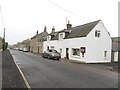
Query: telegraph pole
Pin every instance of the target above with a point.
(3, 40)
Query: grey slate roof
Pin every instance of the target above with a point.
(78, 31)
(41, 36)
(83, 30)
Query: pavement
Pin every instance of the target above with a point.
(113, 66)
(0, 70)
(11, 77)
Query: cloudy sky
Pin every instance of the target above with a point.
(22, 18)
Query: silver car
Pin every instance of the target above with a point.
(25, 50)
(51, 54)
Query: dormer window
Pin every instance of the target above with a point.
(61, 36)
(48, 38)
(97, 33)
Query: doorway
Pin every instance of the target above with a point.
(67, 54)
(38, 49)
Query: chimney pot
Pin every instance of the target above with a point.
(45, 29)
(69, 26)
(53, 29)
(37, 32)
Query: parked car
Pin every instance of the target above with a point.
(25, 50)
(51, 54)
(16, 48)
(20, 49)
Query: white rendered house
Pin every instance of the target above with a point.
(89, 43)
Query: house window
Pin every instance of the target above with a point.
(76, 52)
(48, 38)
(60, 51)
(60, 36)
(97, 33)
(52, 47)
(105, 54)
(47, 47)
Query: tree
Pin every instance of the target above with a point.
(3, 44)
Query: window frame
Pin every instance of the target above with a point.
(77, 51)
(97, 33)
(105, 54)
(60, 36)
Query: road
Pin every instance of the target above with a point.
(44, 73)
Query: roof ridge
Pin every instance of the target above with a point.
(87, 23)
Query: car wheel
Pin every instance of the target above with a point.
(42, 56)
(48, 57)
(58, 58)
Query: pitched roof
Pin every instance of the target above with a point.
(39, 35)
(27, 41)
(82, 30)
(78, 31)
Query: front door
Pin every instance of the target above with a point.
(67, 54)
(38, 49)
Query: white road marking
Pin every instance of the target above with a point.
(23, 76)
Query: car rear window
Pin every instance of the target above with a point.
(50, 50)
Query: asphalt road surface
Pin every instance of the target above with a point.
(45, 73)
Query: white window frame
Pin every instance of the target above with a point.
(52, 47)
(61, 36)
(48, 38)
(77, 53)
(97, 33)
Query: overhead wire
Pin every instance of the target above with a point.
(2, 23)
(1, 16)
(67, 10)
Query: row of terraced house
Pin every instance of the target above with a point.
(89, 43)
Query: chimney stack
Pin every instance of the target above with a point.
(69, 26)
(37, 32)
(53, 29)
(45, 29)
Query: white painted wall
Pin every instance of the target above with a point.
(95, 47)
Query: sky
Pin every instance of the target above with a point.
(22, 18)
